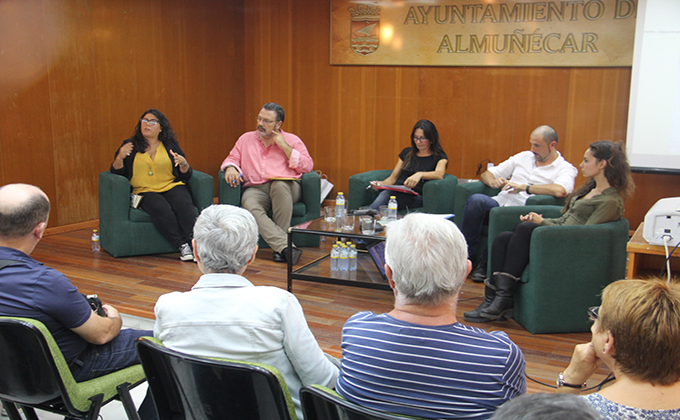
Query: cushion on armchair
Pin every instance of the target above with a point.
(308, 208)
(126, 231)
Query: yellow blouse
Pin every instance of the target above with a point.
(153, 175)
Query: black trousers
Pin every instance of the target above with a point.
(510, 250)
(173, 213)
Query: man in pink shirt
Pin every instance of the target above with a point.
(269, 163)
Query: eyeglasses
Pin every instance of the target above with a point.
(262, 120)
(419, 139)
(593, 312)
(150, 122)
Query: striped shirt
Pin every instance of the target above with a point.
(448, 371)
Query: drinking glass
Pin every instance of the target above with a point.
(348, 225)
(329, 214)
(384, 213)
(367, 226)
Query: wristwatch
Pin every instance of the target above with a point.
(561, 383)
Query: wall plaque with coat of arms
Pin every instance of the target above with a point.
(569, 33)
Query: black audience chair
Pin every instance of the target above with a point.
(321, 403)
(34, 374)
(186, 387)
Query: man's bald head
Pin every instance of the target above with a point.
(22, 208)
(547, 132)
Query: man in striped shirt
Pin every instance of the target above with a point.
(418, 360)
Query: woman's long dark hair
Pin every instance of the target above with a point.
(166, 135)
(617, 170)
(431, 133)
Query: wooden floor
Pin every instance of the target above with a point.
(133, 285)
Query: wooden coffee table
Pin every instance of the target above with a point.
(367, 274)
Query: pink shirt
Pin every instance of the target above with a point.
(258, 164)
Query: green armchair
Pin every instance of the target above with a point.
(465, 189)
(308, 208)
(438, 194)
(568, 268)
(126, 231)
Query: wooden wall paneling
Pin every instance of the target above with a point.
(73, 109)
(598, 108)
(541, 98)
(117, 51)
(109, 61)
(176, 63)
(489, 128)
(280, 65)
(151, 57)
(26, 153)
(395, 109)
(268, 61)
(178, 57)
(312, 80)
(186, 38)
(252, 62)
(221, 100)
(205, 61)
(650, 188)
(352, 123)
(442, 101)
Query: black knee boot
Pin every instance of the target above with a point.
(476, 314)
(501, 307)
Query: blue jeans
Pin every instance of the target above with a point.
(475, 216)
(404, 201)
(117, 354)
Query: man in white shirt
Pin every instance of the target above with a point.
(540, 170)
(225, 316)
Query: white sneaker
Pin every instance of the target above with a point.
(185, 253)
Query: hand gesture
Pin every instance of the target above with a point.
(584, 362)
(498, 183)
(232, 176)
(514, 187)
(110, 311)
(413, 180)
(278, 138)
(375, 185)
(532, 217)
(125, 151)
(179, 159)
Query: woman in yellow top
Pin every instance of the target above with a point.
(158, 170)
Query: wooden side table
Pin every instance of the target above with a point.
(644, 258)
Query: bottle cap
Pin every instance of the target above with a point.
(391, 197)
